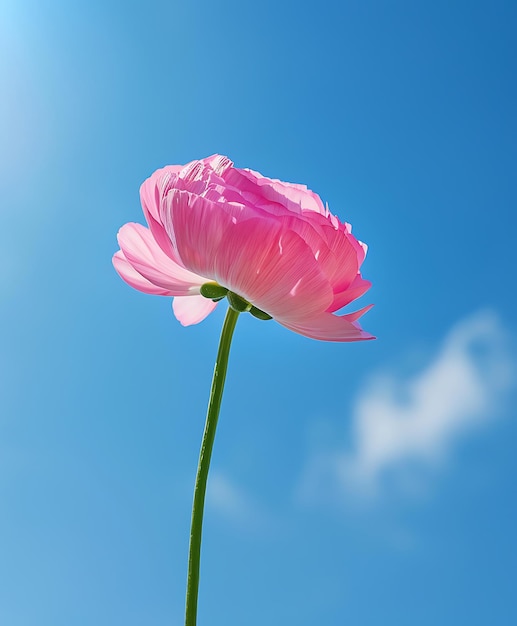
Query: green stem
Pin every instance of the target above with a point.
(196, 526)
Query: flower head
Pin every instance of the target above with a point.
(214, 229)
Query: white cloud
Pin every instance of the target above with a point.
(399, 420)
(232, 503)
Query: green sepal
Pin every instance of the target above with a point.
(261, 315)
(237, 303)
(213, 291)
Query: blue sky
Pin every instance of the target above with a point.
(352, 484)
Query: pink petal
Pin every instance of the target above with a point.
(196, 227)
(328, 327)
(342, 264)
(296, 198)
(331, 246)
(154, 188)
(210, 179)
(352, 317)
(152, 192)
(358, 287)
(201, 170)
(218, 163)
(360, 248)
(258, 258)
(133, 278)
(148, 259)
(192, 309)
(273, 268)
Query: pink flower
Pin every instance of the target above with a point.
(273, 244)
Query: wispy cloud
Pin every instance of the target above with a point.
(234, 504)
(398, 420)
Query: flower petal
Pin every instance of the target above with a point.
(342, 264)
(358, 287)
(152, 192)
(128, 273)
(196, 227)
(192, 309)
(331, 246)
(148, 259)
(295, 198)
(258, 258)
(328, 327)
(355, 315)
(273, 268)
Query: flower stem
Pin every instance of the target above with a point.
(214, 404)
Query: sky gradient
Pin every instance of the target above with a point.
(369, 483)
